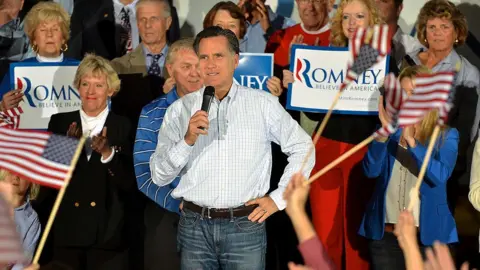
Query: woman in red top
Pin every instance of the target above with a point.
(339, 197)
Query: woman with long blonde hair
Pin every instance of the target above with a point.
(338, 198)
(394, 162)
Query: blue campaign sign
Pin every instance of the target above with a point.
(254, 69)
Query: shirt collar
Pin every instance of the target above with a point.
(43, 59)
(451, 59)
(172, 96)
(232, 92)
(23, 206)
(146, 51)
(12, 25)
(131, 5)
(325, 28)
(87, 118)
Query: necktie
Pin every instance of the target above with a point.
(126, 36)
(154, 68)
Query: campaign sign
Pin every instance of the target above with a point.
(254, 69)
(318, 73)
(48, 89)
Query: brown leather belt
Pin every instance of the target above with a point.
(390, 228)
(220, 212)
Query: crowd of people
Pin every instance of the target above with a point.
(163, 184)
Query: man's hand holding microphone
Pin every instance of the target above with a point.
(199, 122)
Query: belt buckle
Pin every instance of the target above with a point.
(208, 213)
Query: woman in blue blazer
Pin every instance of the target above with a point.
(395, 162)
(47, 26)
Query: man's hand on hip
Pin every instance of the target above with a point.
(266, 207)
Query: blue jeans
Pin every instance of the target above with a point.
(225, 244)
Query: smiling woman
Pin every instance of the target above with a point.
(91, 222)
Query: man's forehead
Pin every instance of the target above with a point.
(213, 43)
(149, 9)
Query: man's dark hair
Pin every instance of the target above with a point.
(398, 3)
(216, 31)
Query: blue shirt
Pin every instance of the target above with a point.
(149, 58)
(149, 123)
(254, 40)
(29, 229)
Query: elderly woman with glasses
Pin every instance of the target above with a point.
(89, 229)
(47, 26)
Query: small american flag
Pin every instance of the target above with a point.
(368, 47)
(394, 97)
(40, 157)
(10, 118)
(432, 91)
(11, 251)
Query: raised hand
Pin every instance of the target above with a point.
(287, 78)
(74, 131)
(11, 99)
(100, 144)
(274, 86)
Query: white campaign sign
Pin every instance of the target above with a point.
(48, 90)
(318, 73)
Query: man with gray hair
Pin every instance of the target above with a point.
(162, 212)
(153, 21)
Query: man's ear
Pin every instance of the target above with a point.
(169, 69)
(236, 59)
(169, 22)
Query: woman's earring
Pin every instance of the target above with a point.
(64, 47)
(456, 41)
(35, 48)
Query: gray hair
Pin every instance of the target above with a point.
(181, 44)
(167, 10)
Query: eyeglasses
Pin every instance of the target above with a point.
(311, 1)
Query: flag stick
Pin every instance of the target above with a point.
(51, 218)
(416, 189)
(339, 160)
(320, 129)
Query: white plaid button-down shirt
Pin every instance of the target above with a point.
(232, 164)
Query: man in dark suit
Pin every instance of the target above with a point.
(145, 64)
(99, 26)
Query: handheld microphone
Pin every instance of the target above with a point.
(208, 95)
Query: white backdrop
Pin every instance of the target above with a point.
(192, 12)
